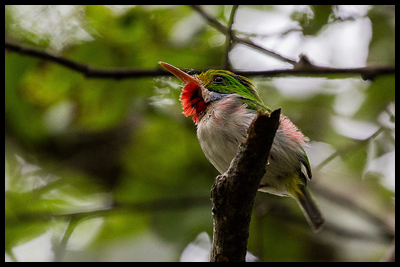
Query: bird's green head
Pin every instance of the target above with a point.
(212, 85)
(226, 82)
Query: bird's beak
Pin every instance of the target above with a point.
(184, 77)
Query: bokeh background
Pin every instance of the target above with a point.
(103, 169)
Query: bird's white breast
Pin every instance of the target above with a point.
(224, 127)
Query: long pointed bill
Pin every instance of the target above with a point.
(184, 77)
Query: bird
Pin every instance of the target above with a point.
(223, 105)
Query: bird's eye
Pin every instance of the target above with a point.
(218, 79)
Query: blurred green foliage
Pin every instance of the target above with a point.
(95, 163)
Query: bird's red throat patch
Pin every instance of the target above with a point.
(192, 101)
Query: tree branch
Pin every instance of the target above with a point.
(85, 69)
(234, 191)
(367, 73)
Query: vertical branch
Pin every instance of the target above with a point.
(234, 191)
(229, 37)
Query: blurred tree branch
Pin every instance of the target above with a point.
(345, 150)
(234, 191)
(300, 68)
(156, 205)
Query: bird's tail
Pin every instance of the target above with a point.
(310, 209)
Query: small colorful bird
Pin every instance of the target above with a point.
(223, 106)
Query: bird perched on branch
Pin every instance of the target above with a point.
(223, 105)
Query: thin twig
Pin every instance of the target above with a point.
(269, 52)
(59, 250)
